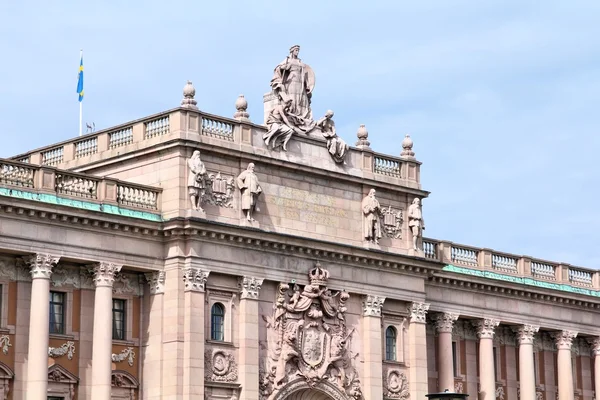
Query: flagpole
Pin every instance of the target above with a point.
(81, 105)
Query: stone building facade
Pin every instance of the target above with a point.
(115, 285)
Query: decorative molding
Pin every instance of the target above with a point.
(67, 348)
(564, 339)
(126, 284)
(395, 385)
(444, 322)
(125, 354)
(485, 327)
(156, 281)
(372, 305)
(418, 312)
(195, 279)
(122, 379)
(525, 333)
(58, 374)
(104, 273)
(5, 343)
(220, 366)
(41, 265)
(249, 287)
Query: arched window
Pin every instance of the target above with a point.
(217, 322)
(390, 343)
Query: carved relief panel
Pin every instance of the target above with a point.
(395, 384)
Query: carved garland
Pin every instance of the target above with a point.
(125, 354)
(67, 348)
(5, 343)
(220, 366)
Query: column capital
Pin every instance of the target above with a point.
(40, 265)
(372, 305)
(418, 312)
(595, 344)
(249, 287)
(195, 279)
(486, 327)
(103, 273)
(444, 322)
(525, 333)
(156, 280)
(564, 339)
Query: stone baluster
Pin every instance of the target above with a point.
(372, 352)
(564, 341)
(417, 356)
(487, 374)
(248, 333)
(40, 266)
(444, 322)
(193, 332)
(103, 276)
(525, 334)
(595, 343)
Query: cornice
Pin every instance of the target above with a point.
(509, 289)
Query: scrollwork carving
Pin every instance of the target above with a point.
(67, 349)
(220, 366)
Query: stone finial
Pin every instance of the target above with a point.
(362, 134)
(372, 305)
(407, 151)
(241, 105)
(444, 322)
(188, 96)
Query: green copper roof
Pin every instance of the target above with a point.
(521, 280)
(81, 204)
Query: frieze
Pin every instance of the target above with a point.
(220, 366)
(67, 348)
(395, 385)
(391, 222)
(65, 276)
(307, 337)
(5, 343)
(219, 190)
(125, 354)
(126, 284)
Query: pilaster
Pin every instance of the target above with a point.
(372, 354)
(248, 333)
(193, 332)
(417, 355)
(103, 277)
(152, 345)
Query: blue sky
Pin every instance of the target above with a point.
(500, 97)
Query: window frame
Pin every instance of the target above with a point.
(124, 312)
(64, 304)
(226, 299)
(391, 354)
(213, 316)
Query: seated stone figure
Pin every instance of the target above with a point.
(335, 145)
(283, 123)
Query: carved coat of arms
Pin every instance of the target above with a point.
(308, 339)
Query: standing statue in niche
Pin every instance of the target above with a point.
(248, 184)
(196, 181)
(335, 145)
(372, 210)
(415, 221)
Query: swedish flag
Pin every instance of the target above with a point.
(80, 81)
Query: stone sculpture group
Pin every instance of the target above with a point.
(292, 85)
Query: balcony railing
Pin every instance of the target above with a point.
(509, 264)
(34, 178)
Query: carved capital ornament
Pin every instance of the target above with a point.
(564, 339)
(250, 287)
(195, 279)
(104, 273)
(372, 305)
(418, 312)
(526, 333)
(40, 265)
(156, 280)
(486, 327)
(595, 345)
(444, 322)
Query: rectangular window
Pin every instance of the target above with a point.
(496, 369)
(57, 313)
(535, 368)
(455, 359)
(55, 398)
(118, 318)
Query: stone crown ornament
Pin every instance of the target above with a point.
(318, 276)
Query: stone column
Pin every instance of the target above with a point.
(443, 325)
(487, 374)
(525, 335)
(248, 333)
(193, 332)
(40, 266)
(104, 276)
(152, 339)
(595, 343)
(563, 341)
(417, 355)
(372, 343)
